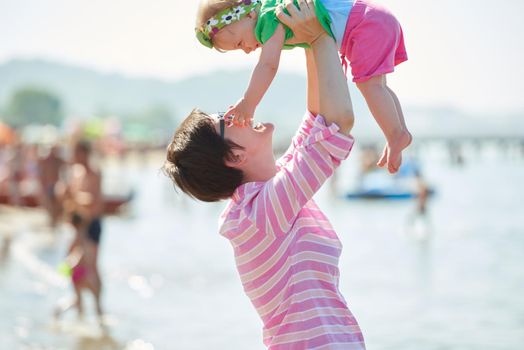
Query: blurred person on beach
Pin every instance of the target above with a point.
(421, 209)
(367, 35)
(286, 251)
(4, 170)
(419, 221)
(83, 192)
(78, 264)
(50, 168)
(15, 172)
(5, 174)
(368, 163)
(368, 159)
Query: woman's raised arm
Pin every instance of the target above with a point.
(313, 103)
(334, 100)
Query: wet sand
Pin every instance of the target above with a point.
(28, 250)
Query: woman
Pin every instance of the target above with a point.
(285, 249)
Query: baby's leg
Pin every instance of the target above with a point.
(399, 108)
(384, 106)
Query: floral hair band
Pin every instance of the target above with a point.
(223, 18)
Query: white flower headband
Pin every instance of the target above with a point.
(225, 17)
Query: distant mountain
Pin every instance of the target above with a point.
(85, 92)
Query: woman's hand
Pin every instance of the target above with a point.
(334, 102)
(302, 21)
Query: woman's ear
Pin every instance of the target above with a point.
(236, 159)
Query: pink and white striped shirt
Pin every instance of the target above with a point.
(287, 252)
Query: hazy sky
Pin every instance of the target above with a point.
(467, 54)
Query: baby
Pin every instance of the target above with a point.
(367, 35)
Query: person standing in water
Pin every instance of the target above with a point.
(50, 168)
(84, 195)
(286, 251)
(78, 265)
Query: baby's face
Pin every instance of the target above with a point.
(238, 36)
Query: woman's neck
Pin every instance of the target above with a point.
(260, 170)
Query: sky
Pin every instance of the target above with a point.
(466, 54)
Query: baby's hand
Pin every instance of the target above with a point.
(241, 113)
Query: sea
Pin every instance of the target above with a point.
(452, 279)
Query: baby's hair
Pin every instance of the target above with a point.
(209, 8)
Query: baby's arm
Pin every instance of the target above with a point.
(261, 79)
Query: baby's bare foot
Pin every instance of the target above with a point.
(392, 154)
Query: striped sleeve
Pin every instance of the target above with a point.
(303, 131)
(311, 162)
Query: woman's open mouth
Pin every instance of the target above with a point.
(258, 126)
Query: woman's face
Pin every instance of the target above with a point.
(256, 139)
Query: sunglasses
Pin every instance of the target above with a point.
(223, 121)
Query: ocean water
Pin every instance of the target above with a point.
(455, 281)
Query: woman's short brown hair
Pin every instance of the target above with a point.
(196, 160)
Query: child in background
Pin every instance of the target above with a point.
(77, 264)
(367, 35)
